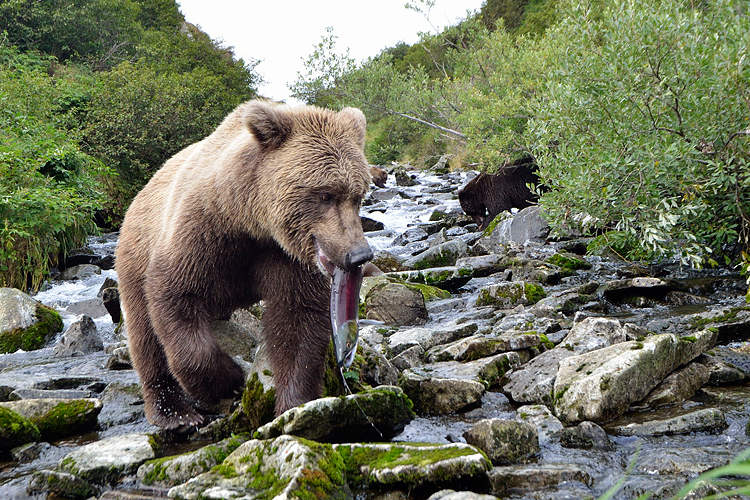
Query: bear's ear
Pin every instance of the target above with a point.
(357, 121)
(268, 122)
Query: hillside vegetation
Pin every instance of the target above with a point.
(637, 113)
(96, 94)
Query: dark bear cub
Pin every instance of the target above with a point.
(257, 210)
(485, 196)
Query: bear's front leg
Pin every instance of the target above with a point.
(195, 358)
(296, 332)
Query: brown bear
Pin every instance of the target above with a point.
(486, 195)
(266, 207)
(379, 176)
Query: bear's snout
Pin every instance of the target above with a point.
(358, 256)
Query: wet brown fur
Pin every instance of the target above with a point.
(485, 196)
(228, 221)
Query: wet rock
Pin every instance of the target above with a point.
(679, 385)
(79, 272)
(15, 429)
(709, 420)
(105, 461)
(412, 464)
(536, 477)
(460, 495)
(174, 470)
(46, 394)
(25, 323)
(568, 261)
(508, 295)
(542, 418)
(482, 346)
(446, 278)
(90, 307)
(621, 290)
(585, 435)
(123, 404)
(527, 224)
(450, 385)
(111, 300)
(410, 236)
(534, 382)
(369, 225)
(525, 322)
(600, 385)
(376, 370)
(484, 265)
(234, 339)
(120, 359)
(287, 467)
(79, 339)
(395, 304)
(594, 333)
(57, 418)
(376, 414)
(427, 338)
(726, 365)
(438, 256)
(61, 483)
(504, 441)
(732, 323)
(408, 357)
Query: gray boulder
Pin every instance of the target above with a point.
(442, 255)
(504, 441)
(426, 338)
(24, 322)
(594, 333)
(527, 224)
(79, 339)
(600, 385)
(679, 385)
(376, 414)
(534, 382)
(538, 477)
(509, 295)
(709, 420)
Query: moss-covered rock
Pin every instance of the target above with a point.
(510, 294)
(285, 467)
(568, 261)
(106, 461)
(441, 255)
(174, 470)
(411, 464)
(15, 430)
(376, 414)
(62, 484)
(58, 418)
(25, 323)
(504, 441)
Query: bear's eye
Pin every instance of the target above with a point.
(326, 197)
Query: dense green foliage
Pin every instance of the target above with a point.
(96, 94)
(636, 112)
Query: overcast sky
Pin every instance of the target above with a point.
(283, 33)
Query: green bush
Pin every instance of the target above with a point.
(48, 187)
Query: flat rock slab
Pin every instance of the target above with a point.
(451, 385)
(594, 333)
(377, 414)
(519, 478)
(107, 460)
(709, 420)
(482, 346)
(446, 278)
(412, 464)
(429, 337)
(285, 467)
(534, 382)
(504, 441)
(601, 384)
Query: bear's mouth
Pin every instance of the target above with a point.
(344, 309)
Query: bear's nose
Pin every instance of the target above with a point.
(358, 256)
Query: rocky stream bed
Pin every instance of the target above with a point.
(508, 365)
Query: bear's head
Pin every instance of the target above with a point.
(471, 198)
(314, 170)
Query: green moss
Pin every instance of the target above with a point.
(689, 338)
(637, 346)
(225, 470)
(546, 342)
(257, 403)
(491, 228)
(15, 430)
(429, 292)
(48, 323)
(66, 418)
(438, 215)
(534, 293)
(727, 317)
(568, 261)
